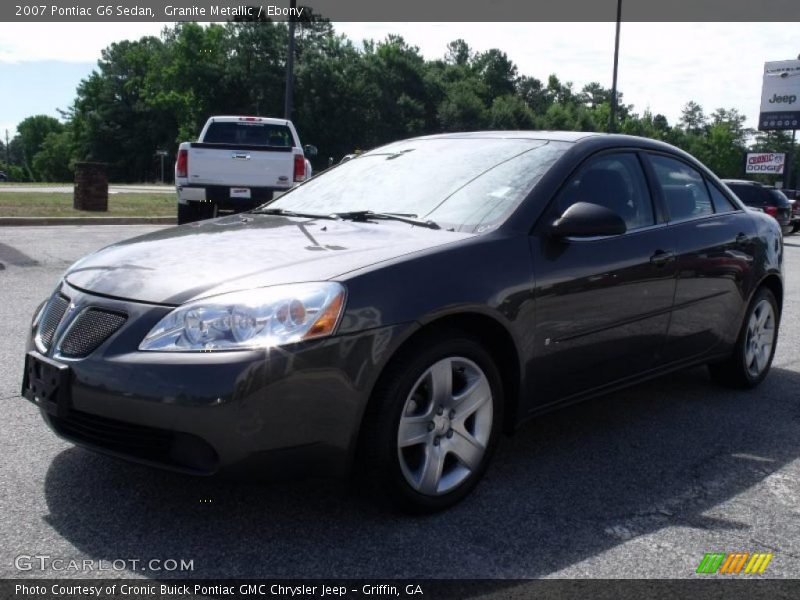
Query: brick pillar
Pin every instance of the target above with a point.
(91, 187)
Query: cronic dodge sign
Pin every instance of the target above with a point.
(780, 96)
(765, 162)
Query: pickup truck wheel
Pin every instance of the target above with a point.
(188, 213)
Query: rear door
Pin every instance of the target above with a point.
(602, 304)
(243, 153)
(715, 246)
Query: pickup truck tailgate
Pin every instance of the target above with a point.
(246, 166)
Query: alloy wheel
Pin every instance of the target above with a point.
(445, 426)
(760, 338)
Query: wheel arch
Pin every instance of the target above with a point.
(774, 283)
(492, 334)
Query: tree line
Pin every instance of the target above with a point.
(150, 94)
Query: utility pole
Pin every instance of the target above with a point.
(612, 125)
(789, 164)
(287, 106)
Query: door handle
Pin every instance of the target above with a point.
(742, 239)
(662, 257)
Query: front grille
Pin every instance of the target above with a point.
(53, 313)
(177, 450)
(90, 329)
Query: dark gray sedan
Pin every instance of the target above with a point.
(392, 316)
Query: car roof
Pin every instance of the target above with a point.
(744, 182)
(247, 118)
(559, 136)
(596, 139)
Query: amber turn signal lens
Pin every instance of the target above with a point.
(326, 322)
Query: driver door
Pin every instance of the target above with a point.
(602, 303)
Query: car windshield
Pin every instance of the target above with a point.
(462, 184)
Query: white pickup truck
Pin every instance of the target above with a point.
(237, 164)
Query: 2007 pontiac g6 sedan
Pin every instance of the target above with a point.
(394, 315)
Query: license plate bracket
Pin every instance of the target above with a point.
(47, 383)
(238, 192)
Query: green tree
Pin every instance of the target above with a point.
(462, 109)
(55, 160)
(31, 133)
(510, 112)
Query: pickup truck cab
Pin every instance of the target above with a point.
(238, 163)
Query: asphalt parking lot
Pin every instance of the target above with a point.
(638, 484)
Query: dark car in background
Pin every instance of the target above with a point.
(765, 198)
(3, 176)
(395, 314)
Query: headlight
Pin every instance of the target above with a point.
(258, 318)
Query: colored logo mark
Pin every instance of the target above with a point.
(734, 563)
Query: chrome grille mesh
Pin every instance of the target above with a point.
(53, 313)
(91, 328)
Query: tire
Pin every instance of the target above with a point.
(448, 443)
(752, 356)
(796, 226)
(188, 213)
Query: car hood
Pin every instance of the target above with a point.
(174, 265)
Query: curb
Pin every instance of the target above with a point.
(46, 221)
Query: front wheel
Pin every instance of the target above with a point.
(752, 357)
(432, 424)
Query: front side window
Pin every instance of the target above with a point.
(683, 188)
(615, 181)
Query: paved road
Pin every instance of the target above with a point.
(638, 484)
(68, 189)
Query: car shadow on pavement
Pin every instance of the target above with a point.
(565, 488)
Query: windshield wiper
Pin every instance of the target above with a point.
(366, 215)
(266, 210)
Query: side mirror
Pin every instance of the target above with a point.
(584, 219)
(310, 150)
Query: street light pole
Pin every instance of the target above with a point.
(287, 106)
(613, 114)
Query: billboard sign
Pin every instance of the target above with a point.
(765, 162)
(780, 96)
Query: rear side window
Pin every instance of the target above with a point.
(720, 200)
(749, 194)
(248, 134)
(683, 188)
(778, 198)
(615, 181)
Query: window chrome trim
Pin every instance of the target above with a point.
(630, 232)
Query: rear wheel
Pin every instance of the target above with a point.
(432, 424)
(187, 213)
(752, 357)
(795, 227)
(196, 211)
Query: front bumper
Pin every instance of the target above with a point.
(279, 412)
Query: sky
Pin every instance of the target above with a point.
(661, 67)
